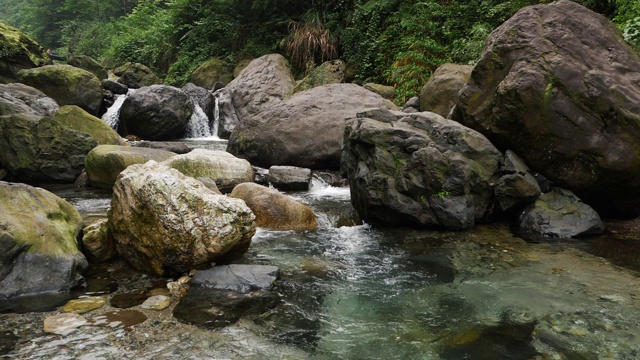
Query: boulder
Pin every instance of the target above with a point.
(557, 84)
(90, 64)
(167, 223)
(67, 85)
(38, 249)
(289, 178)
(517, 185)
(236, 277)
(386, 91)
(227, 116)
(210, 72)
(274, 210)
(76, 118)
(173, 146)
(418, 169)
(241, 65)
(156, 112)
(136, 75)
(19, 52)
(559, 213)
(412, 105)
(97, 243)
(114, 86)
(35, 150)
(224, 169)
(267, 80)
(202, 97)
(305, 130)
(329, 72)
(16, 98)
(440, 93)
(104, 163)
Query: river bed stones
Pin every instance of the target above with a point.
(63, 324)
(289, 178)
(84, 305)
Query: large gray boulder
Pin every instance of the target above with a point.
(105, 162)
(156, 112)
(16, 98)
(305, 130)
(224, 169)
(516, 185)
(166, 223)
(418, 169)
(289, 178)
(440, 93)
(558, 85)
(559, 213)
(38, 249)
(227, 115)
(67, 85)
(42, 150)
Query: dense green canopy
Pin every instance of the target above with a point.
(395, 42)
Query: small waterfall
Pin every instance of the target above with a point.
(112, 116)
(216, 117)
(198, 126)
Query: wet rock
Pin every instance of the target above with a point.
(165, 222)
(98, 244)
(129, 299)
(118, 319)
(203, 97)
(135, 75)
(274, 210)
(224, 169)
(18, 98)
(67, 85)
(114, 86)
(239, 278)
(105, 162)
(63, 324)
(559, 213)
(156, 112)
(84, 305)
(440, 93)
(8, 341)
(34, 303)
(289, 178)
(157, 302)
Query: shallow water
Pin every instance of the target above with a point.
(358, 292)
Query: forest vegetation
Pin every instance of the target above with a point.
(394, 42)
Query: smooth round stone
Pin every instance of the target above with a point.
(157, 302)
(83, 305)
(63, 324)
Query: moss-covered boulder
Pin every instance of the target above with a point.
(38, 249)
(76, 118)
(210, 72)
(224, 169)
(275, 210)
(135, 75)
(17, 52)
(42, 150)
(386, 91)
(16, 98)
(329, 72)
(167, 223)
(104, 163)
(90, 64)
(67, 85)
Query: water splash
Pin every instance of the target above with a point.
(112, 116)
(216, 118)
(198, 125)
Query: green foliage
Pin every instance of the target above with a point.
(628, 19)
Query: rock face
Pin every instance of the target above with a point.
(35, 150)
(558, 85)
(305, 130)
(228, 118)
(329, 72)
(19, 52)
(156, 112)
(202, 97)
(90, 64)
(224, 169)
(38, 250)
(274, 210)
(418, 169)
(75, 118)
(104, 163)
(18, 98)
(67, 85)
(211, 72)
(289, 177)
(559, 213)
(440, 93)
(166, 223)
(114, 86)
(135, 75)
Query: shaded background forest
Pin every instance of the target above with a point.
(394, 42)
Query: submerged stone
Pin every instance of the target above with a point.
(157, 302)
(83, 305)
(118, 319)
(239, 278)
(130, 299)
(63, 324)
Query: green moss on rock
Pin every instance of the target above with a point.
(76, 118)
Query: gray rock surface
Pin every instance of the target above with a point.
(440, 93)
(135, 75)
(238, 278)
(289, 178)
(16, 98)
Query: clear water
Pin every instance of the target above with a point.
(358, 292)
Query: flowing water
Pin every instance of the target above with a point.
(352, 291)
(112, 115)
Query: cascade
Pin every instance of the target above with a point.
(198, 126)
(112, 116)
(216, 117)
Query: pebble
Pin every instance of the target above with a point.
(615, 298)
(63, 324)
(83, 305)
(157, 302)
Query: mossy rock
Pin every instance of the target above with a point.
(135, 75)
(17, 52)
(210, 72)
(387, 92)
(330, 72)
(105, 162)
(67, 85)
(90, 64)
(75, 118)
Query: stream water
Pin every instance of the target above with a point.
(352, 291)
